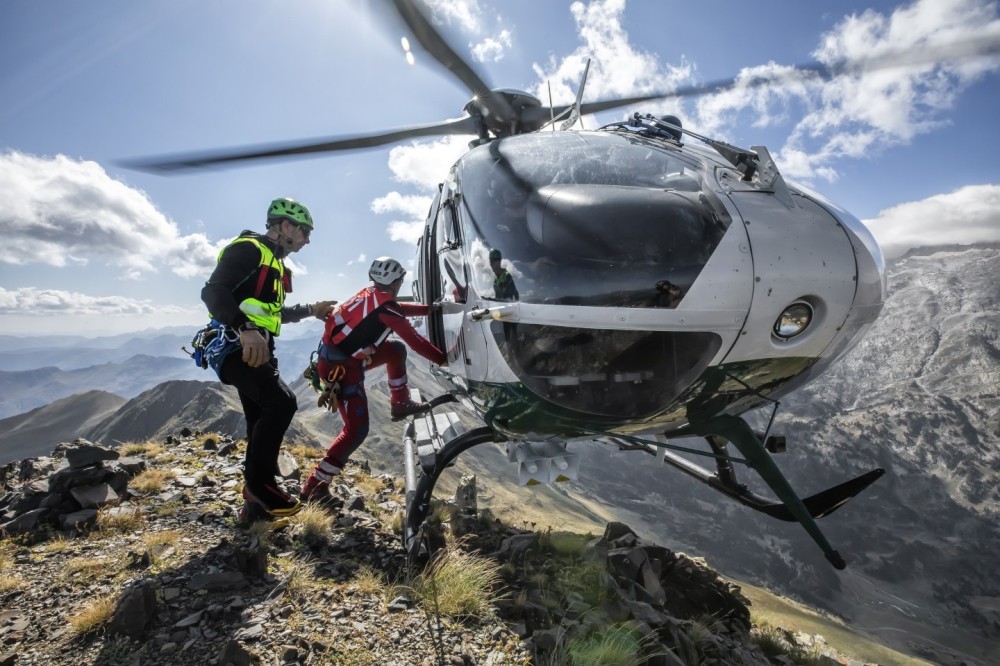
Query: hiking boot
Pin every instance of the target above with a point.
(402, 409)
(273, 500)
(251, 513)
(314, 490)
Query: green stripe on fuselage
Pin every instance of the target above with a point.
(730, 388)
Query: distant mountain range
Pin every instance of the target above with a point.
(35, 371)
(917, 397)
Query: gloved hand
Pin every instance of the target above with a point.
(322, 309)
(255, 352)
(328, 399)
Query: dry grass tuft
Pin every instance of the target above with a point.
(58, 545)
(85, 566)
(368, 485)
(120, 522)
(149, 449)
(6, 554)
(370, 581)
(565, 544)
(300, 576)
(8, 584)
(209, 438)
(152, 480)
(93, 616)
(164, 538)
(459, 584)
(614, 645)
(313, 524)
(772, 642)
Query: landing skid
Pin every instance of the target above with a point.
(723, 430)
(432, 442)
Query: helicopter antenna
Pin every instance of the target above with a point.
(575, 115)
(552, 111)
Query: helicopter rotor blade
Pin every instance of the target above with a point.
(983, 47)
(495, 106)
(203, 160)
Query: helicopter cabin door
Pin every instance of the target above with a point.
(428, 288)
(454, 282)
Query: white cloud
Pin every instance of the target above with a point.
(413, 207)
(617, 68)
(30, 301)
(465, 13)
(492, 48)
(59, 211)
(866, 106)
(426, 164)
(967, 215)
(362, 258)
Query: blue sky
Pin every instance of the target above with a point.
(93, 247)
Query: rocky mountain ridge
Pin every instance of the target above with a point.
(138, 560)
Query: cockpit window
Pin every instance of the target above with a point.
(586, 219)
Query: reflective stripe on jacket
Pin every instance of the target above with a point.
(354, 328)
(264, 308)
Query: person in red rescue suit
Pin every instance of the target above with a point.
(355, 340)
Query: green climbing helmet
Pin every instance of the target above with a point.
(289, 209)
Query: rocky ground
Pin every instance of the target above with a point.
(137, 557)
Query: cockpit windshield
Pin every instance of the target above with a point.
(593, 219)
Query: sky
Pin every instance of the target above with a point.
(93, 247)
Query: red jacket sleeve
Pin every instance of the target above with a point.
(413, 309)
(401, 327)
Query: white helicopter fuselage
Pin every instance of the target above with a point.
(788, 282)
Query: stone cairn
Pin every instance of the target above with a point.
(66, 489)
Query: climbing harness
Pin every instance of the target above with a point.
(212, 344)
(328, 387)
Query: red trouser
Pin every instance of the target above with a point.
(353, 403)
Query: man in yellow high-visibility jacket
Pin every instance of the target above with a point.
(246, 294)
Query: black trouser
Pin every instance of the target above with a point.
(268, 405)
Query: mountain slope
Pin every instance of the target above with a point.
(35, 433)
(25, 390)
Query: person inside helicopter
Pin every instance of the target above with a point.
(504, 288)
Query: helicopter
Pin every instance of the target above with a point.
(668, 284)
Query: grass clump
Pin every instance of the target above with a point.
(152, 480)
(57, 545)
(85, 567)
(312, 524)
(772, 642)
(565, 544)
(459, 584)
(8, 584)
(367, 484)
(120, 522)
(612, 645)
(208, 440)
(300, 576)
(149, 449)
(6, 554)
(369, 581)
(93, 616)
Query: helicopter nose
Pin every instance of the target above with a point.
(816, 286)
